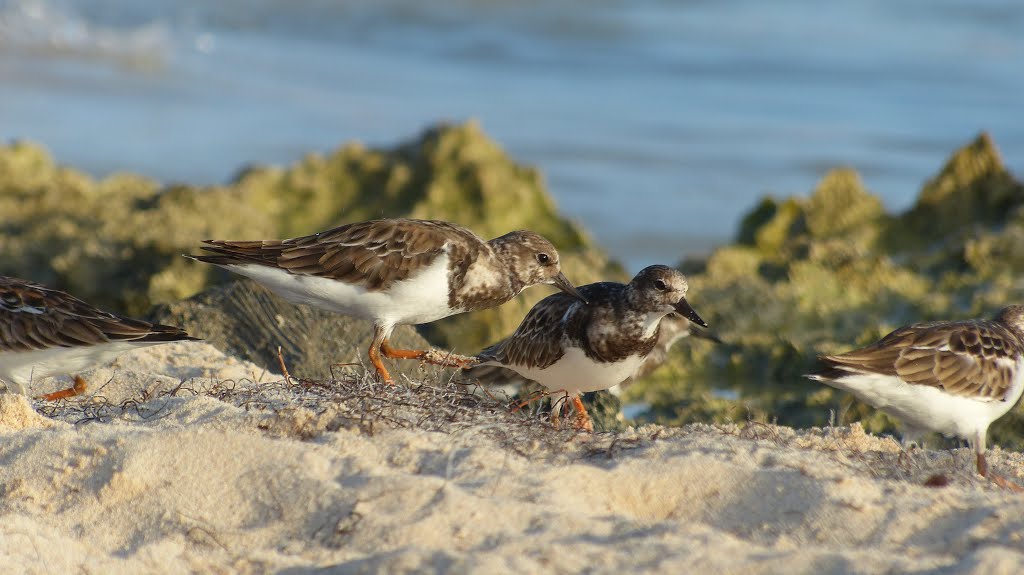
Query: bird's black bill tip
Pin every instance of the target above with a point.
(683, 308)
(563, 283)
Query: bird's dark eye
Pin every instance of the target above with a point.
(543, 258)
(660, 285)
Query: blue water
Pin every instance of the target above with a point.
(656, 123)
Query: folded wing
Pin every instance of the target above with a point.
(971, 359)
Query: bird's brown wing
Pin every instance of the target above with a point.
(35, 317)
(537, 342)
(971, 359)
(372, 255)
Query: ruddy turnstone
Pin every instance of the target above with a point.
(571, 347)
(395, 272)
(955, 378)
(46, 332)
(673, 328)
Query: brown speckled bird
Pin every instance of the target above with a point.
(953, 377)
(571, 347)
(395, 272)
(46, 332)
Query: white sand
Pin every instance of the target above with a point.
(233, 476)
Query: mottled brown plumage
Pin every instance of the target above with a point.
(376, 254)
(394, 272)
(954, 377)
(372, 255)
(34, 317)
(572, 347)
(672, 328)
(974, 358)
(43, 331)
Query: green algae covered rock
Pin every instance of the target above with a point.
(841, 207)
(772, 225)
(973, 190)
(117, 242)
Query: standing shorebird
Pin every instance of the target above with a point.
(571, 347)
(673, 328)
(955, 378)
(46, 332)
(396, 272)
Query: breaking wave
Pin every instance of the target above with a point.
(43, 28)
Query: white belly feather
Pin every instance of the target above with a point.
(922, 407)
(422, 298)
(576, 373)
(19, 368)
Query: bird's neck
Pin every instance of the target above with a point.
(507, 259)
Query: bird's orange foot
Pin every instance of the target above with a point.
(77, 389)
(1005, 483)
(383, 376)
(994, 478)
(535, 396)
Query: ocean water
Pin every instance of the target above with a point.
(656, 123)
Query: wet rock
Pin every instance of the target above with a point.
(248, 321)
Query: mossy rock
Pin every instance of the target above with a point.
(973, 190)
(841, 207)
(117, 242)
(771, 225)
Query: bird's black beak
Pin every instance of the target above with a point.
(683, 308)
(561, 282)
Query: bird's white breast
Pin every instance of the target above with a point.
(576, 373)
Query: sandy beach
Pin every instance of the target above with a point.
(821, 178)
(169, 467)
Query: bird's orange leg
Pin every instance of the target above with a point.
(429, 356)
(379, 365)
(379, 337)
(382, 371)
(77, 389)
(996, 478)
(583, 421)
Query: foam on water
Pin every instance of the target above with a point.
(42, 28)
